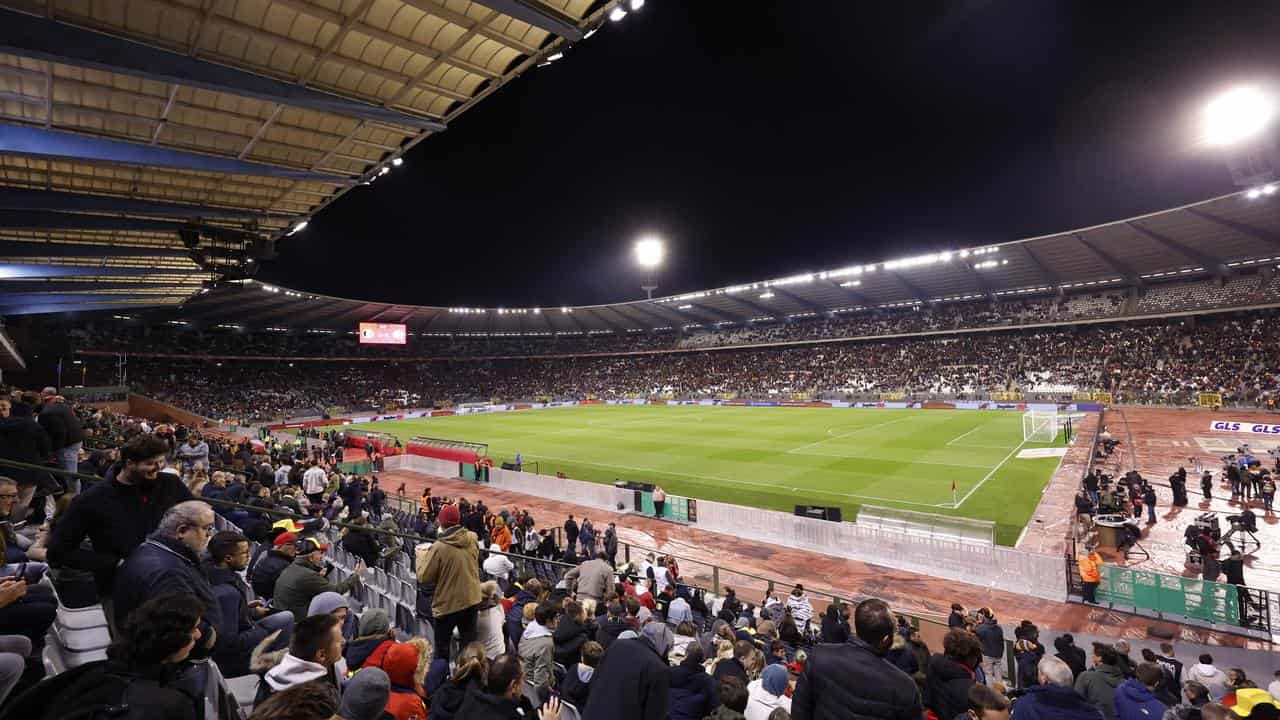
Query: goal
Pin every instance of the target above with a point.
(1040, 426)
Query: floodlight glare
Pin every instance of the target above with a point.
(1236, 115)
(298, 227)
(1268, 189)
(1253, 194)
(649, 252)
(397, 161)
(636, 5)
(617, 14)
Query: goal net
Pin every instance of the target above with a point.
(1040, 426)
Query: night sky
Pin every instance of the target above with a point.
(764, 139)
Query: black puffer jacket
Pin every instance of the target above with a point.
(948, 683)
(852, 682)
(569, 637)
(23, 440)
(61, 423)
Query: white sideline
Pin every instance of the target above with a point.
(988, 477)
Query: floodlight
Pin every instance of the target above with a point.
(766, 295)
(1268, 189)
(636, 5)
(617, 14)
(1237, 114)
(650, 251)
(397, 161)
(301, 225)
(555, 56)
(1253, 194)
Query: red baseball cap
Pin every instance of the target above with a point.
(284, 539)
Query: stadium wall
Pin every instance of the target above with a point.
(1000, 567)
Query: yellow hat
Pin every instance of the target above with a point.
(1249, 698)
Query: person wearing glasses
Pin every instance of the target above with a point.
(169, 562)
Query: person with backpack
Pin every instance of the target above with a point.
(139, 680)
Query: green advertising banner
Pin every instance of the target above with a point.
(1170, 594)
(676, 508)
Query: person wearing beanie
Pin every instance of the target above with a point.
(451, 565)
(374, 637)
(365, 696)
(768, 693)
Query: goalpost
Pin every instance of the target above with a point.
(1040, 426)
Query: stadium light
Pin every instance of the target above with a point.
(636, 5)
(650, 251)
(617, 13)
(301, 225)
(397, 161)
(1236, 115)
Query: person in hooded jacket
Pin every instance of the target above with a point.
(1208, 675)
(575, 688)
(1098, 685)
(537, 649)
(1052, 697)
(574, 630)
(452, 565)
(406, 667)
(1135, 698)
(374, 637)
(1026, 655)
(632, 681)
(490, 620)
(951, 673)
(692, 693)
(768, 693)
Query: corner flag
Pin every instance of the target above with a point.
(953, 492)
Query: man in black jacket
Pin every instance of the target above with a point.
(23, 440)
(266, 568)
(169, 562)
(853, 681)
(117, 514)
(65, 434)
(631, 683)
(243, 625)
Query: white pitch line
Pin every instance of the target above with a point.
(795, 450)
(733, 481)
(973, 430)
(988, 476)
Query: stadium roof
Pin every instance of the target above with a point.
(1217, 237)
(148, 146)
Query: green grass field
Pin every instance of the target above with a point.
(776, 457)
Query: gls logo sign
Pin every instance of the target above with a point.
(1245, 427)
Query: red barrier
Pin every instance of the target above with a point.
(444, 453)
(442, 413)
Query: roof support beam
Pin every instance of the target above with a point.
(12, 198)
(320, 310)
(628, 323)
(756, 309)
(38, 142)
(852, 294)
(1116, 266)
(1249, 231)
(537, 15)
(916, 293)
(46, 309)
(718, 315)
(1046, 274)
(18, 249)
(44, 39)
(804, 302)
(22, 286)
(1190, 253)
(662, 320)
(478, 27)
(49, 220)
(14, 270)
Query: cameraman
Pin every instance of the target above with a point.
(307, 577)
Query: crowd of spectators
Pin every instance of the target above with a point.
(1152, 361)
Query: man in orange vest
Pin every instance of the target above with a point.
(1090, 574)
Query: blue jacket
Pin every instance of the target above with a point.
(1135, 701)
(992, 637)
(238, 634)
(692, 693)
(515, 616)
(158, 566)
(1052, 702)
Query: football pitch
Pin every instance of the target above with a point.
(776, 457)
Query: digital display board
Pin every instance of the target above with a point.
(382, 334)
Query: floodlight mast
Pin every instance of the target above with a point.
(650, 252)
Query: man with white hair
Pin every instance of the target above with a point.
(169, 562)
(1053, 698)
